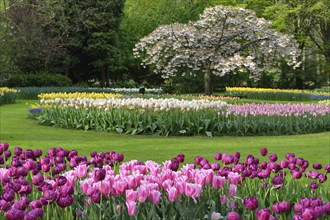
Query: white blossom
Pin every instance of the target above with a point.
(224, 40)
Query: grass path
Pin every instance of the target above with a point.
(18, 130)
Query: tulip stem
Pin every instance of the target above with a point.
(100, 217)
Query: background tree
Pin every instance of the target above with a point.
(141, 17)
(92, 32)
(309, 22)
(224, 40)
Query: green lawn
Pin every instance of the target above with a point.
(18, 130)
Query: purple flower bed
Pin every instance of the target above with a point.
(64, 185)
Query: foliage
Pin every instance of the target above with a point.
(276, 94)
(39, 79)
(7, 95)
(101, 186)
(141, 17)
(92, 28)
(224, 40)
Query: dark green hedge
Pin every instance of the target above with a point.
(39, 79)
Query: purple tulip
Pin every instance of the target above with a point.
(8, 195)
(50, 195)
(64, 201)
(215, 166)
(35, 204)
(218, 156)
(284, 164)
(296, 174)
(326, 208)
(19, 204)
(312, 174)
(300, 161)
(317, 166)
(263, 214)
(79, 213)
(308, 214)
(313, 185)
(4, 205)
(15, 214)
(288, 155)
(327, 168)
(61, 180)
(322, 178)
(297, 217)
(273, 157)
(4, 146)
(233, 216)
(263, 151)
(251, 203)
(18, 151)
(277, 180)
(180, 158)
(96, 197)
(264, 184)
(318, 211)
(37, 179)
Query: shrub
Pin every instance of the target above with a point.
(39, 79)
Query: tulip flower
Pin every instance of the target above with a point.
(251, 203)
(233, 216)
(131, 207)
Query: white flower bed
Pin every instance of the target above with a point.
(156, 104)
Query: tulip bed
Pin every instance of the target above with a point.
(181, 117)
(7, 95)
(63, 185)
(276, 94)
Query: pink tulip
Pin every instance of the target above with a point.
(131, 195)
(142, 194)
(131, 207)
(215, 216)
(172, 194)
(223, 199)
(232, 190)
(81, 170)
(234, 178)
(180, 186)
(200, 178)
(155, 196)
(190, 189)
(218, 182)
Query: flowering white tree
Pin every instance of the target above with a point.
(224, 40)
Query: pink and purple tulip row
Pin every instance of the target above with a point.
(251, 188)
(285, 110)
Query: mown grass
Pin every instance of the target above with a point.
(19, 130)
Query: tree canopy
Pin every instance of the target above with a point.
(225, 40)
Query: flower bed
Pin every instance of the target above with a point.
(8, 95)
(183, 117)
(276, 94)
(33, 92)
(64, 185)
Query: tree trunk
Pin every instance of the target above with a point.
(103, 77)
(107, 82)
(208, 82)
